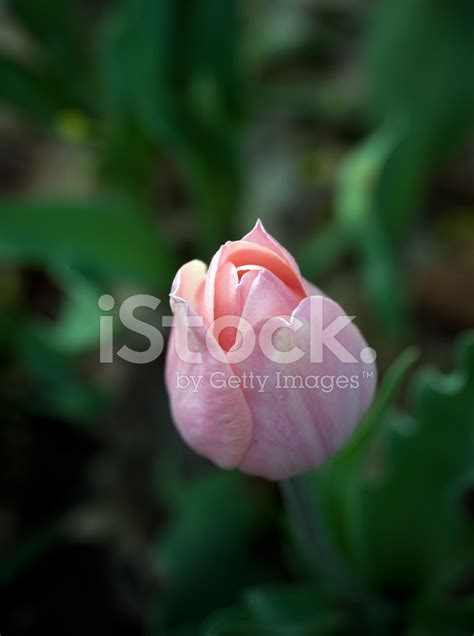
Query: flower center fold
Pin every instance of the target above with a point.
(242, 261)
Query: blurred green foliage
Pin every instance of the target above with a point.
(184, 97)
(420, 57)
(396, 506)
(338, 123)
(72, 234)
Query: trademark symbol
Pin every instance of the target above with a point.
(367, 374)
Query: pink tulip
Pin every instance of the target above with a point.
(263, 414)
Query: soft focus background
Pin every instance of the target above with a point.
(137, 134)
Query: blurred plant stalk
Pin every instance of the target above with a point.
(311, 532)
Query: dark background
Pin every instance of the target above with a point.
(137, 134)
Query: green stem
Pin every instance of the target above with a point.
(308, 521)
(311, 530)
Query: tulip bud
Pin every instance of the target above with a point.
(264, 372)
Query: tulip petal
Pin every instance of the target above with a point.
(226, 302)
(268, 297)
(295, 426)
(260, 236)
(245, 285)
(215, 422)
(188, 284)
(209, 288)
(242, 253)
(257, 249)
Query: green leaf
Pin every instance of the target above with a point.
(420, 64)
(363, 223)
(233, 622)
(283, 610)
(209, 540)
(59, 31)
(99, 237)
(55, 384)
(296, 606)
(340, 483)
(29, 90)
(371, 421)
(415, 519)
(359, 226)
(77, 327)
(395, 506)
(185, 97)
